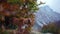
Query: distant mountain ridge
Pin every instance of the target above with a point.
(44, 16)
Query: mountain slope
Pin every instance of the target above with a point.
(44, 16)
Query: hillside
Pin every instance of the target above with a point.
(44, 16)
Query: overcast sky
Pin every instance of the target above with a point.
(53, 4)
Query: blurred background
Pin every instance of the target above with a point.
(47, 18)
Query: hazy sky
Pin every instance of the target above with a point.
(54, 4)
